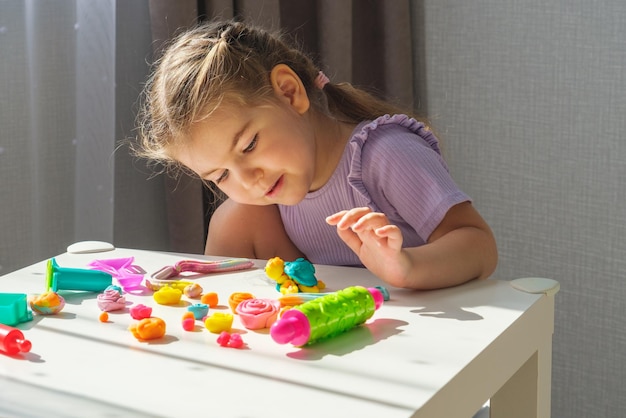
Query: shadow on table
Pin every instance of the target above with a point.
(447, 312)
(350, 341)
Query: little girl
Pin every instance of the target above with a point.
(311, 168)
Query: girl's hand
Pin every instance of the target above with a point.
(377, 243)
(461, 248)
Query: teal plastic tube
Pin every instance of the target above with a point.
(62, 278)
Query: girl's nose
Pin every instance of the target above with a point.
(250, 177)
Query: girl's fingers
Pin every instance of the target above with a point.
(360, 225)
(346, 218)
(351, 239)
(335, 218)
(358, 219)
(372, 220)
(393, 235)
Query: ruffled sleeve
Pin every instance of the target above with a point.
(397, 165)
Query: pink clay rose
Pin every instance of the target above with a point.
(258, 313)
(111, 300)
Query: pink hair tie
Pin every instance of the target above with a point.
(321, 80)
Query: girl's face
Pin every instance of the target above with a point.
(256, 155)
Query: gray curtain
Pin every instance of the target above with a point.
(70, 73)
(57, 182)
(28, 94)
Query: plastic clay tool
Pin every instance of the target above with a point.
(127, 275)
(14, 309)
(12, 340)
(326, 316)
(63, 278)
(294, 299)
(202, 267)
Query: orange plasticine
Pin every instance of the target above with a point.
(210, 299)
(236, 298)
(104, 317)
(188, 315)
(148, 329)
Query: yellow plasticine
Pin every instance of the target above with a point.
(175, 284)
(275, 270)
(289, 287)
(219, 322)
(286, 284)
(309, 289)
(167, 296)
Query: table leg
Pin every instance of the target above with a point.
(528, 392)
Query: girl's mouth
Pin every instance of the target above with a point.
(275, 188)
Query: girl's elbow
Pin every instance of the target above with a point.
(490, 259)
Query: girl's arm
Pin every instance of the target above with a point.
(249, 231)
(460, 249)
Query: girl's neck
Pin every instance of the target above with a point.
(331, 137)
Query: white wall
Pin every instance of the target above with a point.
(530, 99)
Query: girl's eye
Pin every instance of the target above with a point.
(222, 177)
(251, 145)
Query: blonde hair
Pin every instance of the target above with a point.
(231, 62)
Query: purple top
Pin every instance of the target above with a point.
(392, 165)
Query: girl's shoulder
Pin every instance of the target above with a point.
(389, 129)
(392, 147)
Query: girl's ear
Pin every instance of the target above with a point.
(289, 88)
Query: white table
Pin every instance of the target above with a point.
(439, 353)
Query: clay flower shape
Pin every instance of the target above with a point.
(219, 322)
(236, 298)
(258, 313)
(111, 300)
